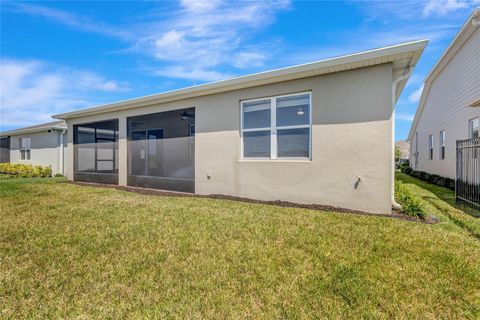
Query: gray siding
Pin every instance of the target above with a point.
(445, 108)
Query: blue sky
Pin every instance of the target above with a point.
(61, 56)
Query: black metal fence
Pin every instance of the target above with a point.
(467, 187)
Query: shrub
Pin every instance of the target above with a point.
(411, 205)
(430, 178)
(58, 175)
(406, 169)
(25, 170)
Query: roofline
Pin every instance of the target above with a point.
(256, 79)
(20, 131)
(474, 103)
(453, 43)
(437, 68)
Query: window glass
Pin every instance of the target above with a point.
(430, 147)
(442, 145)
(289, 134)
(474, 128)
(25, 146)
(294, 143)
(85, 135)
(256, 114)
(103, 134)
(256, 144)
(293, 110)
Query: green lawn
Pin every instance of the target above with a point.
(77, 252)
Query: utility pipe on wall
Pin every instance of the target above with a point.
(396, 205)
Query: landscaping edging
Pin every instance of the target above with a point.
(286, 204)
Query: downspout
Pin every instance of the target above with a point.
(396, 205)
(62, 152)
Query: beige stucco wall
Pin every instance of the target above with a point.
(45, 149)
(446, 108)
(351, 139)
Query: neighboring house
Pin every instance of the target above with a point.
(449, 108)
(43, 145)
(318, 133)
(404, 147)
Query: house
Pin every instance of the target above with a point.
(40, 145)
(317, 133)
(404, 148)
(449, 108)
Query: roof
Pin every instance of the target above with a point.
(475, 103)
(402, 56)
(55, 125)
(402, 145)
(457, 43)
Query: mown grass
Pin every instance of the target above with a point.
(77, 252)
(441, 201)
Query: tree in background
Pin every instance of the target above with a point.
(397, 153)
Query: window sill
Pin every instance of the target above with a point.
(277, 160)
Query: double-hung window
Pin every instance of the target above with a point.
(430, 147)
(25, 148)
(277, 127)
(473, 128)
(442, 145)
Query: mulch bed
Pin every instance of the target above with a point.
(286, 204)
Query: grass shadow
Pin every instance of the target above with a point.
(442, 201)
(441, 193)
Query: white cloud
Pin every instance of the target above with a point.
(414, 97)
(78, 22)
(197, 38)
(30, 91)
(404, 116)
(203, 36)
(199, 5)
(249, 58)
(443, 7)
(192, 73)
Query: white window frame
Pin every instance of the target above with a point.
(274, 129)
(26, 151)
(442, 139)
(430, 147)
(470, 127)
(416, 150)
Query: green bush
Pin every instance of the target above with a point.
(411, 205)
(25, 170)
(430, 178)
(58, 175)
(406, 169)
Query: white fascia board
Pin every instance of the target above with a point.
(414, 48)
(18, 132)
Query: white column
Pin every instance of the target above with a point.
(122, 151)
(62, 146)
(70, 151)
